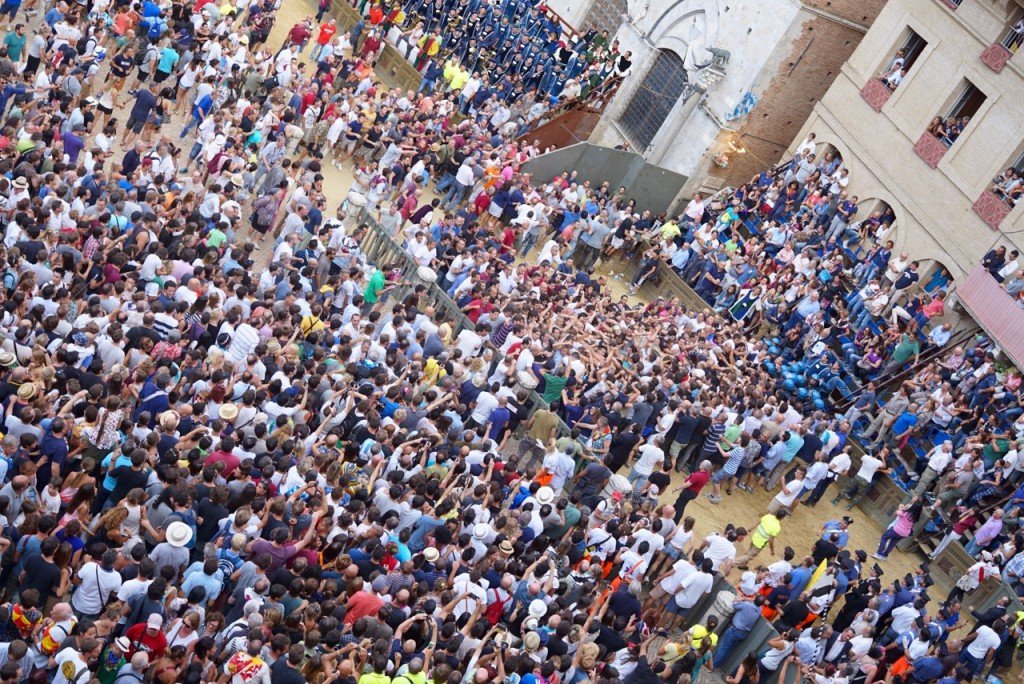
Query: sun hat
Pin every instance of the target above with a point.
(228, 411)
(122, 643)
(178, 534)
(27, 391)
(430, 554)
(480, 531)
(545, 495)
(531, 642)
(537, 608)
(169, 420)
(20, 182)
(506, 547)
(7, 359)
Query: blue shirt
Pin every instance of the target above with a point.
(801, 576)
(833, 526)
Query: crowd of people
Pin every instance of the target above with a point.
(235, 448)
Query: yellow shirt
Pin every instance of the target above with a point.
(459, 79)
(767, 529)
(698, 633)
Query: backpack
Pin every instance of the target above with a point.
(496, 610)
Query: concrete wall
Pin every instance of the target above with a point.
(653, 187)
(933, 207)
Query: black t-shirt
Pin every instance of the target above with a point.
(661, 479)
(643, 674)
(41, 575)
(212, 515)
(127, 479)
(272, 524)
(793, 613)
(610, 639)
(281, 673)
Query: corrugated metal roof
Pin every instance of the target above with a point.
(995, 311)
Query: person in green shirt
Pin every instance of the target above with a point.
(112, 660)
(15, 43)
(216, 237)
(908, 346)
(376, 287)
(554, 384)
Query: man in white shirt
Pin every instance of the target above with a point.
(97, 583)
(938, 460)
(986, 641)
(861, 482)
(690, 591)
(650, 456)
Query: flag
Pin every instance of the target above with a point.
(743, 107)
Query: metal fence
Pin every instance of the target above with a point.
(381, 249)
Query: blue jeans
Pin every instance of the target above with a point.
(731, 638)
(888, 542)
(529, 240)
(862, 319)
(446, 182)
(194, 121)
(456, 194)
(972, 547)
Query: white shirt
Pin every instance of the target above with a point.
(97, 586)
(719, 550)
(903, 617)
(869, 465)
(979, 648)
(650, 456)
(692, 588)
(938, 459)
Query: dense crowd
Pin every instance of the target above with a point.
(235, 448)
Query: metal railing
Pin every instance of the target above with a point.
(381, 249)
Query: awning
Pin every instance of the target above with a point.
(995, 311)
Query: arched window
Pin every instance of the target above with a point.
(654, 99)
(606, 15)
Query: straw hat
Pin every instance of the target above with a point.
(20, 182)
(480, 531)
(506, 547)
(178, 534)
(169, 420)
(545, 495)
(537, 608)
(7, 359)
(531, 642)
(27, 391)
(430, 554)
(228, 412)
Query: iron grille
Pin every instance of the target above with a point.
(654, 99)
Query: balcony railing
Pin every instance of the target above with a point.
(930, 149)
(876, 94)
(991, 208)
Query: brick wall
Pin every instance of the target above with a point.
(858, 11)
(803, 75)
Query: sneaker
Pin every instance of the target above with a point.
(878, 556)
(715, 500)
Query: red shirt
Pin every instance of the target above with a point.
(360, 604)
(229, 459)
(698, 479)
(153, 644)
(299, 33)
(326, 33)
(480, 204)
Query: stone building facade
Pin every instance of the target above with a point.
(784, 54)
(962, 61)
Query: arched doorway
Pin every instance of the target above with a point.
(654, 99)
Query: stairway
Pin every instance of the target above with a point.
(571, 122)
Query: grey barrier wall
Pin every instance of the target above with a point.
(653, 187)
